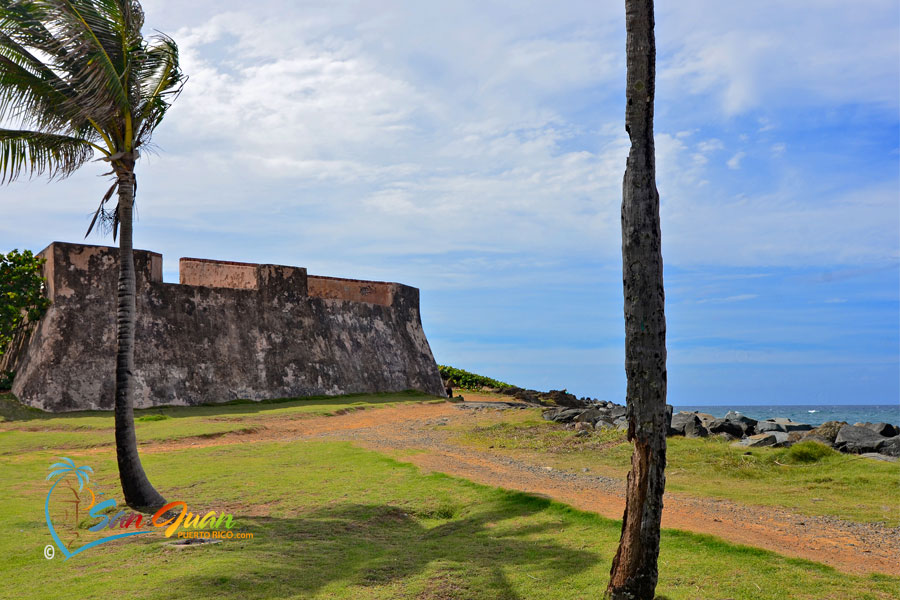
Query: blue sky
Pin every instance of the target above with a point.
(476, 150)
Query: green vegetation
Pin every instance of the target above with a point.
(469, 381)
(27, 428)
(807, 477)
(22, 299)
(333, 521)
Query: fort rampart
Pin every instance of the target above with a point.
(228, 330)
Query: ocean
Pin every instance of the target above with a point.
(812, 414)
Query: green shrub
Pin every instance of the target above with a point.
(146, 418)
(807, 452)
(22, 298)
(470, 381)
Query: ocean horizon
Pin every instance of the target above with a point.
(807, 413)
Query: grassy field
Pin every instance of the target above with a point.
(333, 521)
(89, 429)
(810, 479)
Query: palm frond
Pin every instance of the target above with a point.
(38, 153)
(58, 472)
(161, 82)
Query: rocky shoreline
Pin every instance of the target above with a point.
(877, 440)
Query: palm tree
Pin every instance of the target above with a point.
(634, 569)
(80, 80)
(60, 470)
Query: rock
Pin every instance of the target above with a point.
(730, 427)
(705, 418)
(759, 440)
(621, 423)
(877, 456)
(764, 426)
(782, 438)
(746, 423)
(583, 426)
(567, 415)
(590, 415)
(550, 413)
(617, 411)
(890, 446)
(604, 424)
(726, 436)
(695, 429)
(563, 398)
(857, 439)
(827, 430)
(687, 424)
(885, 429)
(679, 420)
(790, 425)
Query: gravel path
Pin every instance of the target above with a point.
(845, 545)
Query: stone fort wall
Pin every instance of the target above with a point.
(228, 330)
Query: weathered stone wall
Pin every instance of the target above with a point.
(376, 292)
(256, 338)
(215, 273)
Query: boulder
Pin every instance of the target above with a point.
(583, 426)
(885, 429)
(680, 419)
(747, 424)
(857, 439)
(590, 415)
(759, 440)
(705, 418)
(827, 430)
(790, 425)
(549, 413)
(877, 456)
(695, 428)
(782, 438)
(604, 424)
(566, 415)
(765, 426)
(621, 423)
(890, 446)
(563, 398)
(723, 426)
(617, 411)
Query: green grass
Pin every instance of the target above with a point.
(808, 477)
(24, 428)
(332, 521)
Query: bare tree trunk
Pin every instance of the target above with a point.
(138, 491)
(634, 569)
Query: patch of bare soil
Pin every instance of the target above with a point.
(845, 545)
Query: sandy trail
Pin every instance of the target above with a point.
(844, 545)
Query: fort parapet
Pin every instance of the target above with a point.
(228, 330)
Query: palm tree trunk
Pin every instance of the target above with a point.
(138, 491)
(634, 569)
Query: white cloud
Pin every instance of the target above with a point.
(735, 161)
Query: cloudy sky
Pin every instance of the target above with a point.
(476, 150)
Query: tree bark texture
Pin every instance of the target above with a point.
(139, 493)
(634, 569)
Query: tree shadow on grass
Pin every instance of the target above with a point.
(360, 546)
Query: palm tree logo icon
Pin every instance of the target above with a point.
(63, 471)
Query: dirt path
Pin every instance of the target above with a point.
(848, 546)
